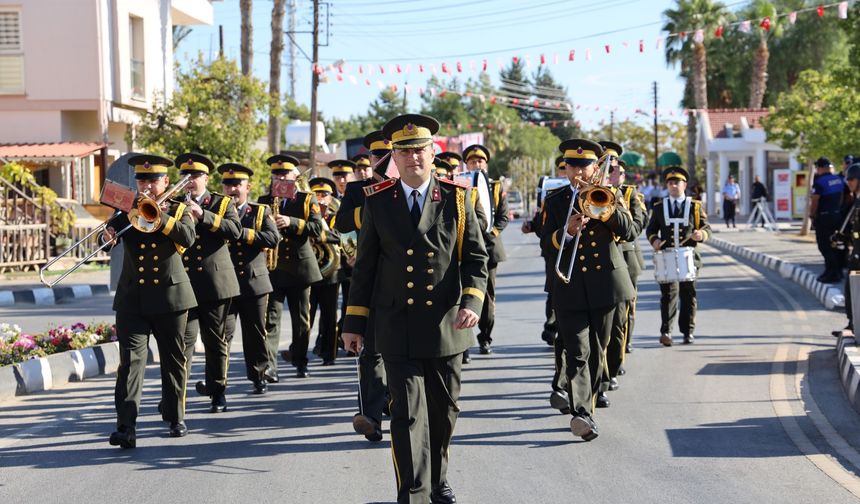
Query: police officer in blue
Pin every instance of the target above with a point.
(824, 209)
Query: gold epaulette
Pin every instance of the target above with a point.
(456, 183)
(379, 187)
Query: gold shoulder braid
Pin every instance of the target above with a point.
(696, 218)
(461, 221)
(261, 213)
(222, 209)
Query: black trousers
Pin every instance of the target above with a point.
(424, 394)
(825, 226)
(133, 334)
(729, 211)
(252, 315)
(559, 377)
(344, 302)
(669, 294)
(622, 331)
(488, 313)
(371, 380)
(586, 334)
(324, 296)
(299, 302)
(210, 320)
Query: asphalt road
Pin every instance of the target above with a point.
(753, 412)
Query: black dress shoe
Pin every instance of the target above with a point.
(583, 426)
(666, 339)
(548, 337)
(622, 371)
(486, 349)
(467, 359)
(271, 378)
(613, 384)
(302, 371)
(260, 387)
(559, 401)
(602, 400)
(219, 403)
(287, 356)
(201, 388)
(124, 437)
(628, 349)
(178, 429)
(328, 362)
(369, 427)
(159, 408)
(689, 339)
(442, 494)
(386, 410)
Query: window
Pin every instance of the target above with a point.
(135, 37)
(11, 52)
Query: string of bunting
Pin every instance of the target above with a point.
(445, 69)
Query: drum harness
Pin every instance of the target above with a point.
(676, 223)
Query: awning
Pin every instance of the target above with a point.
(49, 150)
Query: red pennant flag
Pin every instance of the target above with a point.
(765, 24)
(542, 59)
(571, 55)
(554, 124)
(360, 69)
(421, 68)
(367, 81)
(398, 68)
(820, 11)
(340, 77)
(607, 48)
(442, 93)
(515, 60)
(683, 35)
(536, 103)
(459, 67)
(493, 100)
(444, 68)
(641, 46)
(515, 101)
(394, 88)
(381, 69)
(484, 68)
(719, 31)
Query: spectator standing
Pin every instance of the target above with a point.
(825, 209)
(731, 196)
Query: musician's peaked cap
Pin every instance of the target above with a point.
(282, 163)
(675, 173)
(411, 131)
(234, 173)
(611, 148)
(580, 152)
(476, 150)
(192, 162)
(377, 143)
(341, 167)
(148, 167)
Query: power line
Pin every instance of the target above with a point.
(461, 16)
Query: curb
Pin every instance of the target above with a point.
(56, 370)
(52, 295)
(848, 357)
(831, 297)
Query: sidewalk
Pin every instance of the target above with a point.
(793, 256)
(25, 288)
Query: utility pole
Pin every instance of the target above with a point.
(220, 41)
(292, 69)
(612, 126)
(656, 138)
(315, 82)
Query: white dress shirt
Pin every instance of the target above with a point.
(422, 193)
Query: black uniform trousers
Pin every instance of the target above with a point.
(371, 377)
(210, 319)
(251, 311)
(586, 334)
(825, 225)
(344, 289)
(324, 296)
(133, 334)
(298, 299)
(488, 312)
(559, 378)
(853, 265)
(622, 331)
(424, 394)
(550, 325)
(669, 294)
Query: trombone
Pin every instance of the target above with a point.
(145, 216)
(595, 202)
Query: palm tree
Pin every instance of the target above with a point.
(247, 37)
(766, 12)
(276, 53)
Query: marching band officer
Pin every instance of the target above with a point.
(422, 267)
(298, 219)
(153, 295)
(443, 169)
(371, 380)
(660, 233)
(324, 292)
(453, 159)
(363, 168)
(477, 157)
(248, 254)
(622, 327)
(341, 169)
(212, 276)
(599, 281)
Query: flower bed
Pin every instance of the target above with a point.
(17, 346)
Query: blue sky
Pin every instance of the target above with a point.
(389, 32)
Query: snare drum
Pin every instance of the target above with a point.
(674, 265)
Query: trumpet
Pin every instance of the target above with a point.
(145, 216)
(595, 202)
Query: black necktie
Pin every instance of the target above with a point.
(677, 208)
(416, 210)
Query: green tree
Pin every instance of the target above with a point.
(545, 88)
(515, 83)
(201, 117)
(638, 137)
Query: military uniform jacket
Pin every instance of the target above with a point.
(493, 239)
(207, 261)
(349, 213)
(659, 227)
(635, 202)
(249, 251)
(415, 280)
(153, 280)
(600, 277)
(297, 263)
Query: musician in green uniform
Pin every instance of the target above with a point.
(324, 292)
(341, 171)
(373, 399)
(297, 216)
(622, 325)
(477, 157)
(454, 160)
(211, 272)
(585, 304)
(248, 253)
(153, 296)
(363, 167)
(422, 268)
(692, 229)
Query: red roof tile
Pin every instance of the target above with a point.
(718, 118)
(48, 150)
